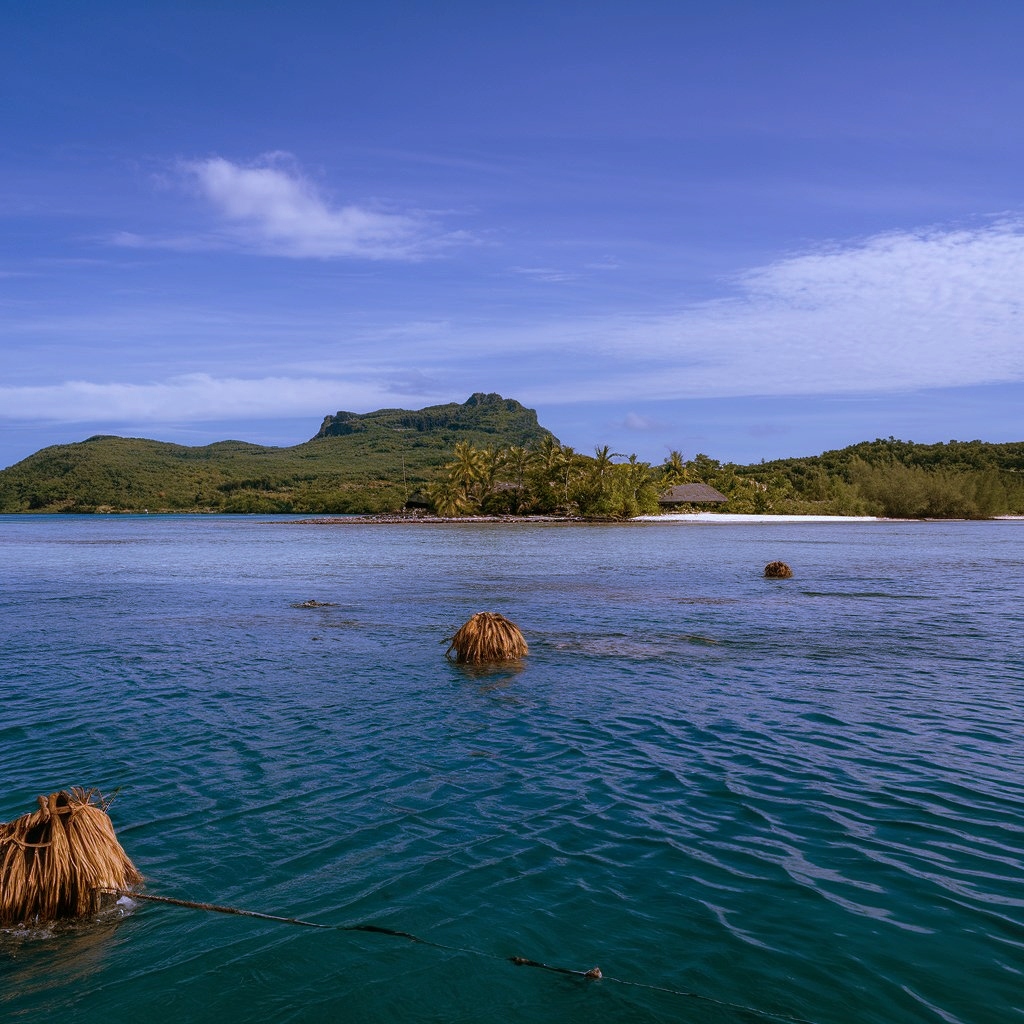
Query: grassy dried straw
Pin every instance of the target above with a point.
(778, 571)
(53, 860)
(487, 637)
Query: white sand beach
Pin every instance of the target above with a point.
(730, 517)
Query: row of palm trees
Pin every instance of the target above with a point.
(551, 478)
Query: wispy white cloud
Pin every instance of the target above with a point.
(895, 312)
(191, 398)
(270, 207)
(550, 274)
(175, 243)
(898, 312)
(635, 421)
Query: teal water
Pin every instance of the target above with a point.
(743, 799)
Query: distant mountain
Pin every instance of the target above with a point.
(480, 415)
(356, 462)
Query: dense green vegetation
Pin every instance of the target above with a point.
(888, 477)
(549, 478)
(356, 463)
(489, 455)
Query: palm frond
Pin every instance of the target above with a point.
(54, 861)
(487, 637)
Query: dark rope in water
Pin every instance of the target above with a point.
(215, 908)
(594, 974)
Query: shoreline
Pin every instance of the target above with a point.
(750, 517)
(399, 518)
(718, 518)
(722, 518)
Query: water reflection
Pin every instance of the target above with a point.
(32, 957)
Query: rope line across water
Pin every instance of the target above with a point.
(594, 974)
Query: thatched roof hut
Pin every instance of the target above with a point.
(691, 494)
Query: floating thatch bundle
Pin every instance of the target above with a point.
(55, 861)
(778, 571)
(487, 637)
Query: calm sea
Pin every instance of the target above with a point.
(745, 800)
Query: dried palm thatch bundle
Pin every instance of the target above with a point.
(487, 637)
(778, 571)
(54, 861)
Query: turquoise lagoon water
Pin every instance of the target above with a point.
(743, 799)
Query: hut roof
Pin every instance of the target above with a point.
(691, 494)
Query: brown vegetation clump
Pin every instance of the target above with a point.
(55, 861)
(487, 637)
(777, 571)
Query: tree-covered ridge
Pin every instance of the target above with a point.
(951, 456)
(901, 479)
(374, 468)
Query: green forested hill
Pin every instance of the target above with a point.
(358, 463)
(964, 479)
(951, 456)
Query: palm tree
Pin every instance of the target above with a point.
(638, 474)
(570, 461)
(603, 461)
(447, 498)
(549, 456)
(517, 460)
(468, 466)
(491, 462)
(673, 469)
(544, 473)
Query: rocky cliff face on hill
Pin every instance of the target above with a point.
(481, 413)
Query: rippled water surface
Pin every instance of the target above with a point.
(743, 799)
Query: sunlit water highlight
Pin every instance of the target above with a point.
(803, 797)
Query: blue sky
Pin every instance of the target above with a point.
(748, 229)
